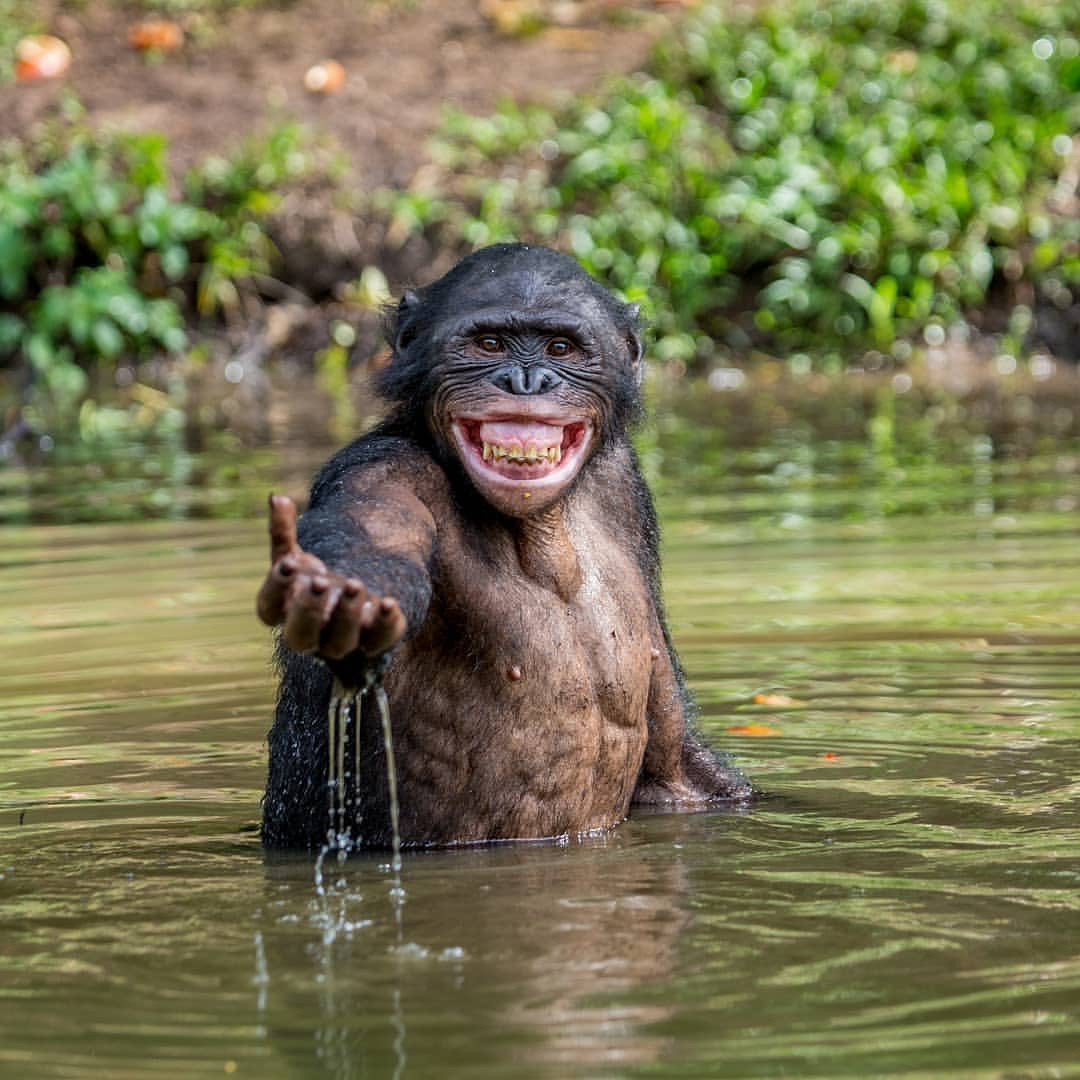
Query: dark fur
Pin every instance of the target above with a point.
(481, 755)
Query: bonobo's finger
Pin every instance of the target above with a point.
(382, 625)
(342, 633)
(270, 603)
(282, 527)
(311, 600)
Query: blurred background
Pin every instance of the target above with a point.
(205, 204)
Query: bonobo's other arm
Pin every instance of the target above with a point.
(679, 769)
(331, 613)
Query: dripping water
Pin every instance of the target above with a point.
(397, 893)
(344, 705)
(344, 713)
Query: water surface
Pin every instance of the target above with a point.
(888, 640)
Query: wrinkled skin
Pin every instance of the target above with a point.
(494, 539)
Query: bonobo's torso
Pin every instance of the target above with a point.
(519, 708)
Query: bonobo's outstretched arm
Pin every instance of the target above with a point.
(319, 610)
(345, 586)
(337, 599)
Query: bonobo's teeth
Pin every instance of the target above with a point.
(514, 452)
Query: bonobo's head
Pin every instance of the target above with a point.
(523, 367)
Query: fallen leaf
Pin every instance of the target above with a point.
(159, 35)
(41, 56)
(326, 77)
(777, 701)
(752, 729)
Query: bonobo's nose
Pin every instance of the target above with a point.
(521, 379)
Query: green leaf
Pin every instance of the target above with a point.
(107, 339)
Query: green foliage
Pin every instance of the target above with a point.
(811, 176)
(99, 257)
(241, 193)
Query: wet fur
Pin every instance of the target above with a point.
(537, 693)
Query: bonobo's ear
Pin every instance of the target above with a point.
(635, 344)
(410, 301)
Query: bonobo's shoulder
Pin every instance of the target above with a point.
(616, 497)
(379, 458)
(615, 485)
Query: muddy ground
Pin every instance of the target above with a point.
(404, 61)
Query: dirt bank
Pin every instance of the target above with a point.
(405, 60)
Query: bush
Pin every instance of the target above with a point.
(816, 176)
(100, 259)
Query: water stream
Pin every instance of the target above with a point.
(887, 638)
(343, 716)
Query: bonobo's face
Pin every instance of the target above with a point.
(519, 402)
(532, 366)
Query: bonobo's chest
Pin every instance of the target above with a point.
(569, 611)
(521, 706)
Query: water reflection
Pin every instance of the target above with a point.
(522, 942)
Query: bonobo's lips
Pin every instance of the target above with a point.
(515, 454)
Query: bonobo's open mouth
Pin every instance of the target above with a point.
(521, 454)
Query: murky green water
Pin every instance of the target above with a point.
(908, 903)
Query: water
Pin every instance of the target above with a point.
(906, 904)
(343, 716)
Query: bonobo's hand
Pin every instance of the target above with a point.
(320, 611)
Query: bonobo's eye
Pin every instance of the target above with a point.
(489, 343)
(560, 348)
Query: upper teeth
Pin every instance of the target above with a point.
(514, 452)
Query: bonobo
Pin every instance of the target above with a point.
(494, 539)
